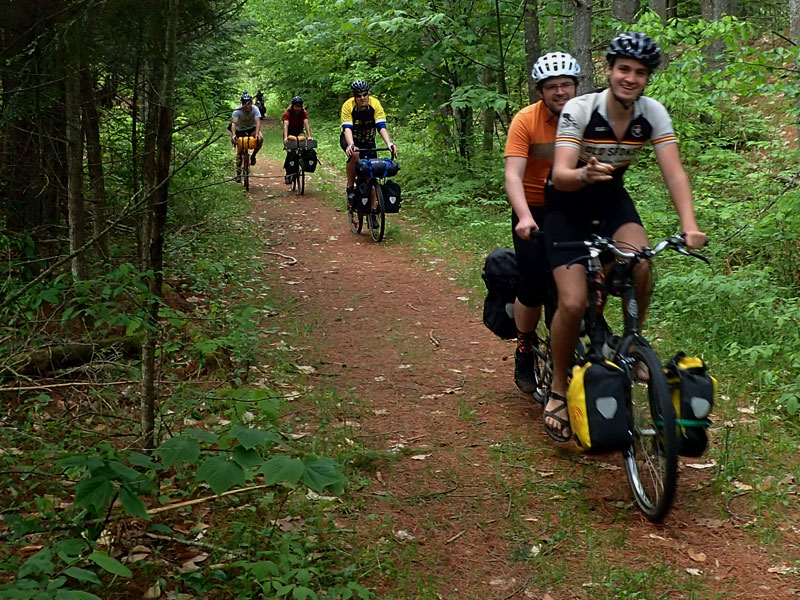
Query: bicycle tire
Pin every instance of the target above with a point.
(355, 225)
(651, 461)
(246, 171)
(378, 212)
(301, 179)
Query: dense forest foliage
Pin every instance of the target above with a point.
(116, 175)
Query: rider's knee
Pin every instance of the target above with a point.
(573, 307)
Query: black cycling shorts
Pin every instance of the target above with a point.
(534, 268)
(574, 216)
(363, 146)
(245, 132)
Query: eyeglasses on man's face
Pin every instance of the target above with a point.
(552, 87)
(364, 95)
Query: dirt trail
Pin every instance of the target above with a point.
(393, 330)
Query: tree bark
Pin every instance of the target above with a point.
(624, 10)
(162, 107)
(794, 33)
(660, 8)
(533, 46)
(582, 43)
(94, 156)
(74, 159)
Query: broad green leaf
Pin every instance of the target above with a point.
(56, 583)
(69, 550)
(75, 595)
(247, 459)
(107, 563)
(82, 575)
(263, 570)
(321, 473)
(137, 459)
(250, 438)
(132, 503)
(303, 593)
(178, 449)
(94, 492)
(202, 435)
(41, 562)
(220, 473)
(282, 469)
(124, 472)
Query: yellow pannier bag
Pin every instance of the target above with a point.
(693, 393)
(598, 400)
(247, 142)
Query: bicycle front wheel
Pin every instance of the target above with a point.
(651, 461)
(246, 172)
(301, 180)
(377, 221)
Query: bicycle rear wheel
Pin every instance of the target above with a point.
(378, 216)
(651, 462)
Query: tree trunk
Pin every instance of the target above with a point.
(162, 106)
(707, 10)
(660, 8)
(672, 9)
(582, 43)
(501, 76)
(94, 155)
(533, 47)
(488, 80)
(794, 33)
(74, 160)
(624, 10)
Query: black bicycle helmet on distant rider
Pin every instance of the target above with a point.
(297, 100)
(246, 97)
(359, 86)
(633, 44)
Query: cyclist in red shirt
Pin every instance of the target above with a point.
(295, 120)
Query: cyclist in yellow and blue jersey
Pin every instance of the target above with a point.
(362, 116)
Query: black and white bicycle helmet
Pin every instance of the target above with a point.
(297, 100)
(555, 64)
(246, 97)
(633, 44)
(359, 86)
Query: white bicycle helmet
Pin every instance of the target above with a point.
(555, 64)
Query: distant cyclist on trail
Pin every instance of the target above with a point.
(529, 156)
(295, 120)
(246, 121)
(599, 135)
(259, 104)
(362, 115)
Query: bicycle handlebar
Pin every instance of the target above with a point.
(356, 149)
(597, 244)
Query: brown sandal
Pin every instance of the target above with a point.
(565, 433)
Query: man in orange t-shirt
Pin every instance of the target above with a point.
(529, 156)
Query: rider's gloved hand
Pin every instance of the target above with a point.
(393, 148)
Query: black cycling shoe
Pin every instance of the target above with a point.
(375, 224)
(253, 159)
(524, 371)
(351, 196)
(287, 180)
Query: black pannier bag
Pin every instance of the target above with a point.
(693, 391)
(599, 406)
(391, 196)
(501, 276)
(361, 201)
(290, 164)
(377, 168)
(310, 160)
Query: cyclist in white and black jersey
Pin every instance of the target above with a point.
(246, 121)
(598, 137)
